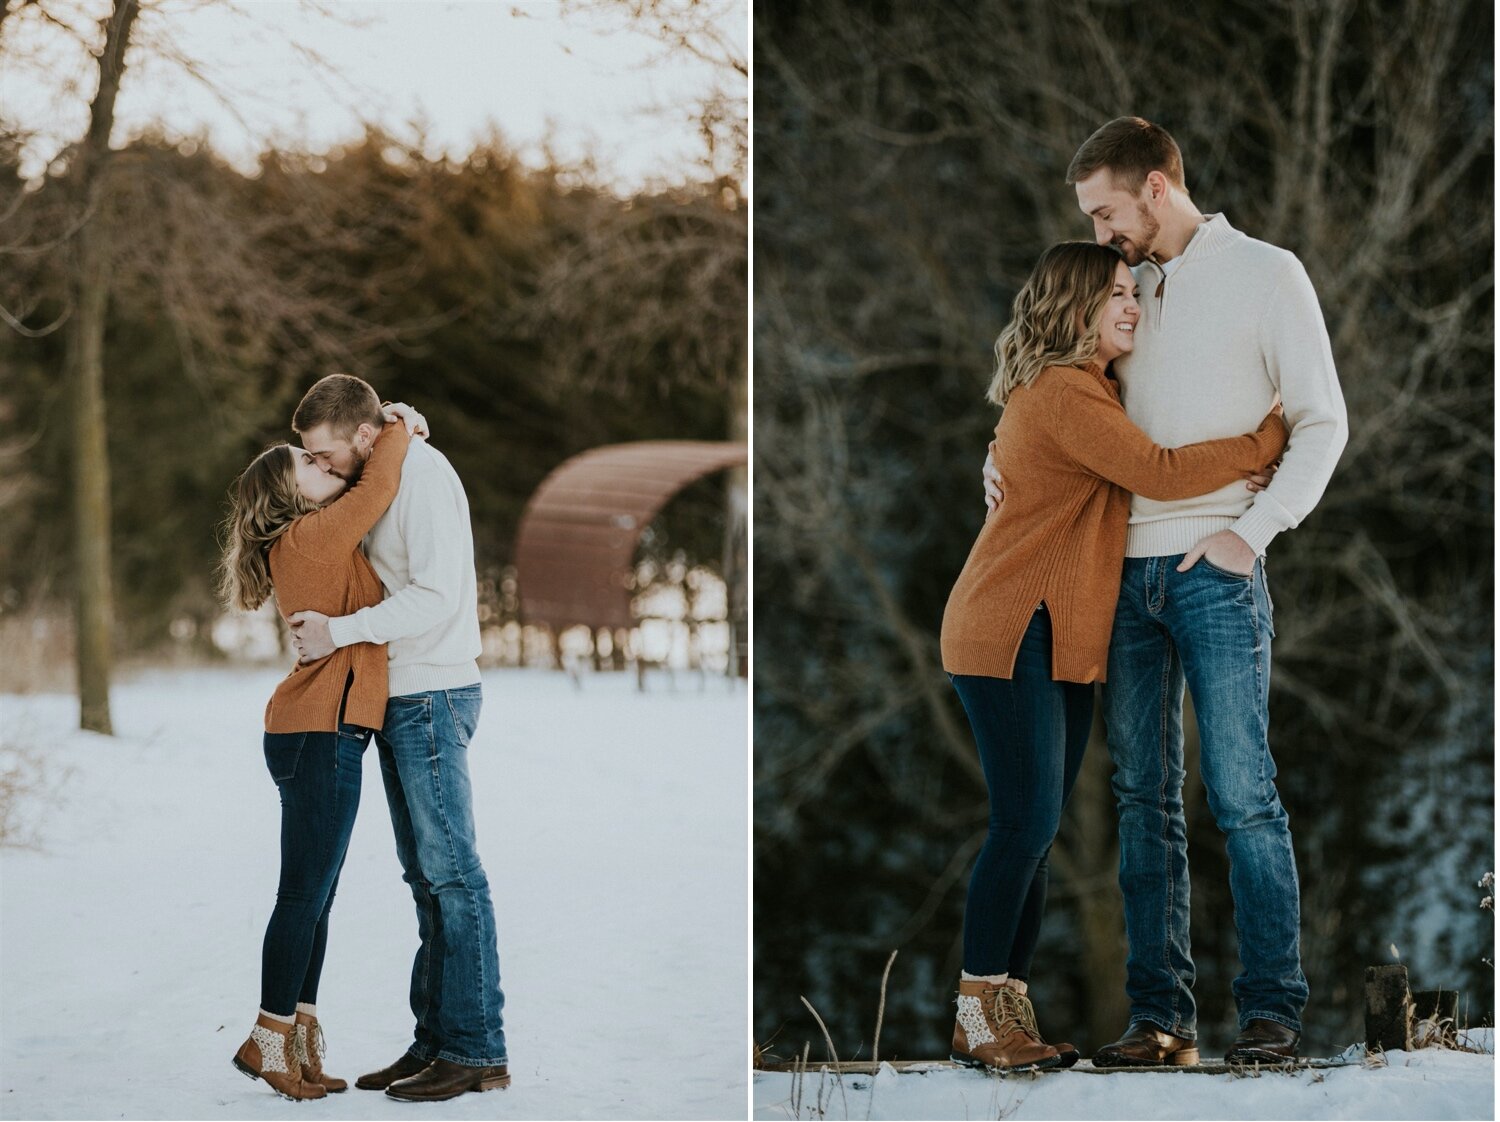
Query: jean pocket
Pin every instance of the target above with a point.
(410, 701)
(1211, 567)
(283, 750)
(463, 709)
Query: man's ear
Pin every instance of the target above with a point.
(366, 434)
(1157, 187)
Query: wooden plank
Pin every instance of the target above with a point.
(1387, 1008)
(864, 1067)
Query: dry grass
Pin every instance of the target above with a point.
(30, 784)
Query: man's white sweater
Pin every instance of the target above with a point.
(423, 551)
(1235, 324)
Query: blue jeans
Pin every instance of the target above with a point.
(1211, 630)
(317, 775)
(1031, 733)
(455, 978)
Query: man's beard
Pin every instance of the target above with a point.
(1141, 248)
(360, 459)
(351, 477)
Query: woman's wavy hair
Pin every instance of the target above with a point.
(264, 502)
(1056, 317)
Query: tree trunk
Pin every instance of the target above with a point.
(736, 532)
(91, 522)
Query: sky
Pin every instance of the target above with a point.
(592, 84)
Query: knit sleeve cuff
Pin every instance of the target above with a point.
(1258, 525)
(345, 630)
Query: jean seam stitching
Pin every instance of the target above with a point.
(473, 898)
(442, 809)
(424, 949)
(1161, 797)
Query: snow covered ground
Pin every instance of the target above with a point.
(613, 827)
(1425, 1084)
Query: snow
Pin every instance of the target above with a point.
(613, 826)
(1428, 1084)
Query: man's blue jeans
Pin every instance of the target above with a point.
(455, 979)
(1210, 629)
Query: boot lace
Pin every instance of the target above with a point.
(1006, 1011)
(311, 1044)
(298, 1040)
(1027, 1013)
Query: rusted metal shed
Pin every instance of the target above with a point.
(578, 534)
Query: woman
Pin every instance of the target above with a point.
(1027, 626)
(287, 534)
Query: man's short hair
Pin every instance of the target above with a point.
(340, 401)
(1131, 148)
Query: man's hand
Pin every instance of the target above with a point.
(1225, 550)
(994, 489)
(310, 633)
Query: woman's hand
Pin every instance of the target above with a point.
(1260, 480)
(994, 485)
(416, 424)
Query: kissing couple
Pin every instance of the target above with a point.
(362, 536)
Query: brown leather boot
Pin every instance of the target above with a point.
(1067, 1054)
(271, 1054)
(1145, 1045)
(1263, 1041)
(444, 1079)
(990, 1032)
(404, 1068)
(311, 1049)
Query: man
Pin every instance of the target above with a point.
(423, 551)
(1227, 323)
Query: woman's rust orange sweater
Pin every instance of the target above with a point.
(1071, 459)
(317, 566)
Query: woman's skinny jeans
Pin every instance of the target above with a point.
(1031, 733)
(318, 777)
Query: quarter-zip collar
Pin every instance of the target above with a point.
(1213, 234)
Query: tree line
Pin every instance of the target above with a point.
(165, 311)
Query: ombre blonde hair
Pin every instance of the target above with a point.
(264, 504)
(1056, 317)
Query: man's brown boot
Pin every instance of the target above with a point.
(271, 1054)
(1145, 1045)
(311, 1049)
(1263, 1041)
(444, 1079)
(1067, 1054)
(404, 1068)
(990, 1033)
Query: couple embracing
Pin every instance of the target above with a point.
(362, 534)
(1125, 545)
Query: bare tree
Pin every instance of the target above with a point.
(244, 283)
(681, 255)
(90, 274)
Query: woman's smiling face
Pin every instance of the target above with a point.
(315, 484)
(1121, 314)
